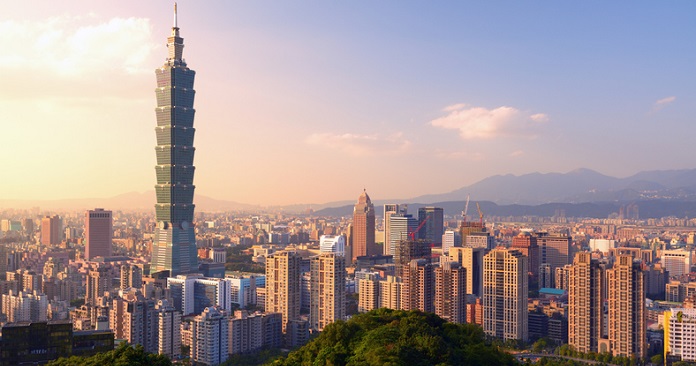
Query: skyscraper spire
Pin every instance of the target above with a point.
(176, 26)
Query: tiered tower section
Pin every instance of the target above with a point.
(174, 248)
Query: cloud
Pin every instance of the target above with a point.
(662, 103)
(77, 45)
(361, 145)
(516, 153)
(482, 123)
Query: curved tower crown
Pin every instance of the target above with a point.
(174, 248)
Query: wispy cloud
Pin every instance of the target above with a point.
(482, 123)
(516, 153)
(662, 103)
(76, 45)
(361, 145)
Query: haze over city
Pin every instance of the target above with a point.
(308, 102)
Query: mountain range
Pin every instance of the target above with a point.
(534, 189)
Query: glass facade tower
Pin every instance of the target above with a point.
(174, 246)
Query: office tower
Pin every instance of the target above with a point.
(368, 290)
(98, 282)
(332, 244)
(51, 227)
(680, 334)
(131, 276)
(400, 228)
(210, 337)
(434, 225)
(450, 239)
(545, 276)
(480, 239)
(174, 246)
(585, 280)
(283, 270)
(363, 237)
(168, 329)
(471, 260)
(243, 289)
(25, 306)
(505, 292)
(554, 250)
(526, 243)
(133, 318)
(450, 296)
(98, 233)
(390, 210)
(677, 262)
(390, 293)
(192, 293)
(418, 290)
(627, 327)
(328, 290)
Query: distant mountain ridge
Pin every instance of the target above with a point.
(580, 185)
(533, 189)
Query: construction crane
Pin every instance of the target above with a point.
(466, 208)
(480, 214)
(412, 234)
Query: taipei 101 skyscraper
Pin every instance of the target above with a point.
(174, 246)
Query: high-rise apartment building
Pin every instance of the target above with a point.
(391, 209)
(363, 236)
(368, 288)
(680, 334)
(418, 287)
(434, 225)
(505, 293)
(168, 329)
(328, 290)
(283, 271)
(210, 337)
(450, 292)
(585, 280)
(174, 245)
(133, 318)
(131, 276)
(98, 282)
(390, 291)
(98, 233)
(51, 230)
(471, 259)
(252, 332)
(626, 300)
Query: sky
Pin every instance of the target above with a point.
(314, 101)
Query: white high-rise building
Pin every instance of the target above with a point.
(193, 293)
(168, 329)
(400, 226)
(210, 337)
(677, 262)
(332, 244)
(680, 334)
(450, 239)
(390, 210)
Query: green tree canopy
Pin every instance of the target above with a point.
(396, 337)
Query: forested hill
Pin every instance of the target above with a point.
(396, 337)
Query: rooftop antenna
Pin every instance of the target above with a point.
(175, 21)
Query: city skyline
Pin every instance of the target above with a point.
(463, 91)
